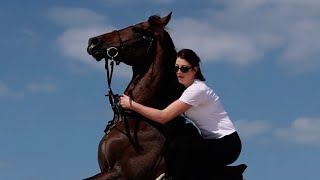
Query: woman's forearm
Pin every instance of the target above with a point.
(161, 116)
(148, 112)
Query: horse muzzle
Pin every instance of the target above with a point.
(94, 49)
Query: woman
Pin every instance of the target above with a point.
(219, 143)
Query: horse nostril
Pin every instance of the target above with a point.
(95, 41)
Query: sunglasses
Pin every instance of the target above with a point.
(183, 69)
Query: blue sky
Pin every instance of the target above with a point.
(260, 56)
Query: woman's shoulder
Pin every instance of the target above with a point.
(201, 85)
(198, 87)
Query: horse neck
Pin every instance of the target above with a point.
(147, 85)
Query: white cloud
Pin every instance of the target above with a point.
(37, 87)
(213, 43)
(81, 24)
(241, 32)
(77, 49)
(75, 17)
(302, 131)
(248, 129)
(6, 91)
(73, 42)
(244, 32)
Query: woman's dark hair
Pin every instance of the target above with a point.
(190, 56)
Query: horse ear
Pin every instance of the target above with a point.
(157, 23)
(165, 20)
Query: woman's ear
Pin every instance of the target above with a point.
(196, 68)
(195, 71)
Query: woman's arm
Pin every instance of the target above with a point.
(161, 116)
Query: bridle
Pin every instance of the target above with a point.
(113, 51)
(110, 54)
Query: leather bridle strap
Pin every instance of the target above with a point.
(112, 53)
(117, 109)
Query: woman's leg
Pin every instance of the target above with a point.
(220, 152)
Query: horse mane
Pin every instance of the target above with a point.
(170, 80)
(172, 53)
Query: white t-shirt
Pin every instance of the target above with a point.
(207, 112)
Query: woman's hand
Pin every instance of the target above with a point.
(126, 101)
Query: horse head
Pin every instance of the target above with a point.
(131, 44)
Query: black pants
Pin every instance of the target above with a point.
(189, 156)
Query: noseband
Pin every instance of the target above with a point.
(113, 52)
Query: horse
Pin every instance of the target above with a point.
(149, 49)
(133, 146)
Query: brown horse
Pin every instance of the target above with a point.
(133, 146)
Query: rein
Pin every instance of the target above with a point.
(111, 54)
(117, 110)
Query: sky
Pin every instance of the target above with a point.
(262, 57)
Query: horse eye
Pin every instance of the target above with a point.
(134, 30)
(137, 30)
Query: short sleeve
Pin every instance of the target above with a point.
(193, 95)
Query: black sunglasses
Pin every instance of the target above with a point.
(183, 69)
